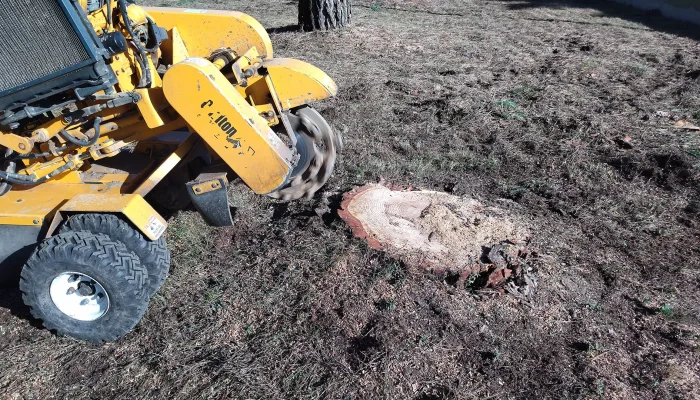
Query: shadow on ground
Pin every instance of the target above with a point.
(11, 300)
(649, 18)
(284, 29)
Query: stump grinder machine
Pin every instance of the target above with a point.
(109, 111)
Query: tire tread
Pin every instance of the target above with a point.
(102, 252)
(154, 255)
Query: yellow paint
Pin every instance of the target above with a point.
(220, 63)
(236, 76)
(69, 177)
(295, 82)
(267, 111)
(107, 148)
(204, 31)
(132, 206)
(24, 219)
(39, 170)
(25, 204)
(174, 50)
(124, 66)
(98, 18)
(20, 144)
(195, 94)
(137, 15)
(147, 106)
(166, 166)
(48, 130)
(228, 124)
(206, 187)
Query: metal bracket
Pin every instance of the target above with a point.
(206, 187)
(209, 195)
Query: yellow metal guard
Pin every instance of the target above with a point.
(204, 31)
(203, 96)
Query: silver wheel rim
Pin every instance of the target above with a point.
(79, 296)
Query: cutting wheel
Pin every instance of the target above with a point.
(317, 146)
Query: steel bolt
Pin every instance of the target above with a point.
(36, 222)
(22, 146)
(198, 190)
(213, 185)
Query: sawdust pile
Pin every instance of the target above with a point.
(433, 230)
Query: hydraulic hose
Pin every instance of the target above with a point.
(19, 179)
(109, 15)
(40, 155)
(84, 143)
(145, 80)
(152, 26)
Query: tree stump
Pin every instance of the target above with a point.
(315, 15)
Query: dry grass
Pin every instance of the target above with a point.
(521, 104)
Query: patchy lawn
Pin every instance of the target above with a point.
(561, 112)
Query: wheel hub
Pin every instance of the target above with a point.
(79, 296)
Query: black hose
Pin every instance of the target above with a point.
(145, 80)
(146, 71)
(109, 15)
(84, 143)
(39, 155)
(19, 179)
(152, 26)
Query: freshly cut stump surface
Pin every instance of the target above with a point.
(433, 230)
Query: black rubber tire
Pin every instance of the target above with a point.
(117, 269)
(154, 255)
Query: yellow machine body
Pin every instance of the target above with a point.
(161, 108)
(232, 111)
(204, 31)
(228, 124)
(38, 204)
(288, 76)
(132, 206)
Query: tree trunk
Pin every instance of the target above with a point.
(323, 15)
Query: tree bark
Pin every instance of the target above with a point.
(323, 15)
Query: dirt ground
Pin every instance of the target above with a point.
(560, 112)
